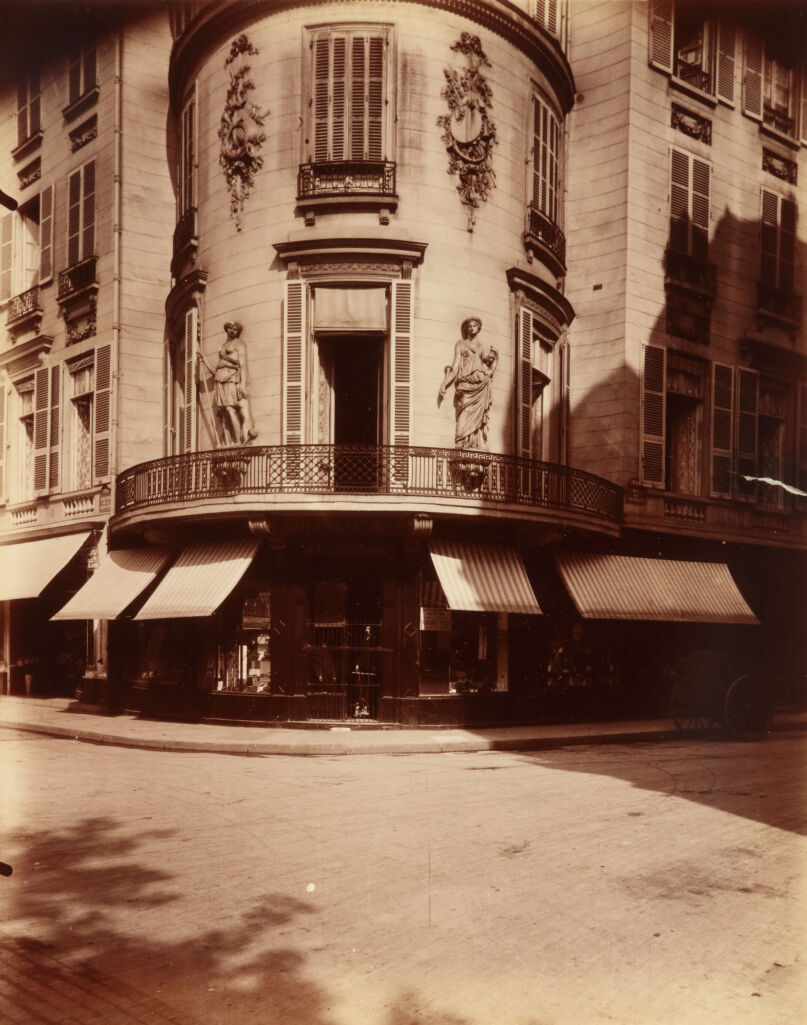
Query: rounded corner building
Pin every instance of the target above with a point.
(392, 379)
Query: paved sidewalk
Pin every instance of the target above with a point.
(62, 717)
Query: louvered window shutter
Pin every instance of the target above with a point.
(320, 98)
(191, 348)
(338, 98)
(661, 35)
(88, 212)
(769, 239)
(375, 98)
(787, 246)
(401, 392)
(6, 255)
(546, 14)
(88, 67)
(524, 384)
(74, 76)
(752, 77)
(55, 427)
(565, 401)
(187, 198)
(722, 423)
(679, 201)
(46, 234)
(102, 425)
(746, 430)
(3, 404)
(701, 181)
(34, 104)
(41, 423)
(726, 45)
(22, 111)
(294, 362)
(654, 401)
(73, 218)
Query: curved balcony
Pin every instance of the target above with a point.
(288, 478)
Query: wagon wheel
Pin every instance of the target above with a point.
(747, 709)
(690, 711)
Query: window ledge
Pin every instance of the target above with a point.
(84, 102)
(708, 99)
(774, 133)
(27, 145)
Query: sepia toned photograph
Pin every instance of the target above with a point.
(403, 512)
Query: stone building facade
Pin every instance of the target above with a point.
(360, 355)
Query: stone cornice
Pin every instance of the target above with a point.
(219, 21)
(541, 295)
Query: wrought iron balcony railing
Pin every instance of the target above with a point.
(779, 303)
(24, 305)
(779, 120)
(346, 178)
(76, 278)
(544, 233)
(691, 272)
(479, 477)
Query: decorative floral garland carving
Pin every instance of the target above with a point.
(240, 130)
(469, 134)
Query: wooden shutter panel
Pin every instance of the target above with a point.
(74, 76)
(22, 111)
(34, 104)
(401, 392)
(358, 93)
(747, 406)
(89, 69)
(722, 422)
(3, 404)
(187, 155)
(322, 65)
(787, 245)
(726, 46)
(103, 411)
(88, 212)
(546, 14)
(338, 111)
(769, 238)
(74, 218)
(701, 182)
(654, 401)
(752, 77)
(524, 384)
(376, 80)
(679, 201)
(6, 255)
(46, 234)
(41, 417)
(191, 348)
(294, 362)
(55, 427)
(566, 400)
(661, 35)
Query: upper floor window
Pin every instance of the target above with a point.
(28, 107)
(545, 159)
(80, 425)
(26, 246)
(771, 83)
(672, 421)
(778, 242)
(81, 71)
(187, 157)
(694, 46)
(551, 15)
(25, 440)
(349, 99)
(690, 180)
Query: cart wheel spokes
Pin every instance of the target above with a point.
(747, 709)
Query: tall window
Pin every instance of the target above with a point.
(545, 160)
(349, 95)
(82, 388)
(81, 71)
(25, 440)
(690, 180)
(28, 104)
(770, 83)
(180, 388)
(187, 157)
(26, 245)
(81, 214)
(542, 382)
(672, 422)
(695, 47)
(778, 242)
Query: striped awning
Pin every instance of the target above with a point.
(26, 569)
(483, 578)
(119, 579)
(200, 580)
(626, 587)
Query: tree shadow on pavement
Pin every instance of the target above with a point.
(81, 900)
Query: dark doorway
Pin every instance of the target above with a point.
(356, 381)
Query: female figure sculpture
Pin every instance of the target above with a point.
(471, 373)
(231, 377)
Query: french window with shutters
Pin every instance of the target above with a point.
(694, 46)
(672, 410)
(350, 101)
(778, 242)
(542, 390)
(23, 450)
(690, 186)
(545, 160)
(187, 156)
(550, 15)
(775, 85)
(81, 71)
(26, 248)
(28, 107)
(81, 214)
(181, 393)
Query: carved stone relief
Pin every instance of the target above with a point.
(241, 129)
(469, 133)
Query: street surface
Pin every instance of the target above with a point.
(646, 884)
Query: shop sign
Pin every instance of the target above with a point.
(435, 619)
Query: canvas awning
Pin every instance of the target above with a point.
(26, 569)
(200, 580)
(627, 587)
(483, 578)
(362, 308)
(119, 579)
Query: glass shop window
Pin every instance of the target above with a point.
(458, 651)
(241, 661)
